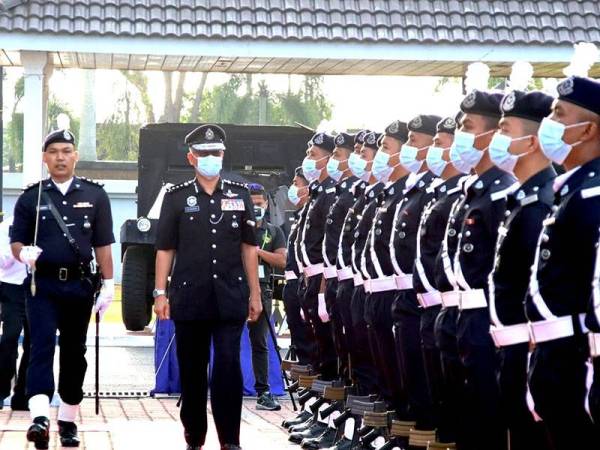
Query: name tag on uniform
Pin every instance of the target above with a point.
(261, 271)
(83, 205)
(233, 204)
(190, 209)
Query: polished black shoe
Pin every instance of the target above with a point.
(303, 426)
(39, 432)
(342, 444)
(230, 447)
(193, 447)
(299, 419)
(68, 434)
(327, 439)
(313, 432)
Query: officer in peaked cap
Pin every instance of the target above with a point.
(206, 241)
(515, 148)
(562, 272)
(75, 226)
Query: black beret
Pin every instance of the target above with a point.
(359, 138)
(59, 136)
(580, 91)
(206, 138)
(446, 125)
(398, 130)
(324, 141)
(298, 172)
(345, 140)
(533, 105)
(371, 140)
(424, 123)
(482, 103)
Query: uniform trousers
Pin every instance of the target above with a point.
(63, 306)
(193, 339)
(337, 326)
(301, 333)
(524, 432)
(380, 326)
(557, 380)
(259, 333)
(594, 397)
(325, 359)
(432, 361)
(14, 320)
(407, 324)
(479, 358)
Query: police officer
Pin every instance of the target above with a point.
(310, 245)
(75, 224)
(14, 320)
(207, 231)
(561, 280)
(380, 284)
(484, 210)
(432, 226)
(339, 171)
(515, 149)
(271, 254)
(593, 323)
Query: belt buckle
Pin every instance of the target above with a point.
(63, 273)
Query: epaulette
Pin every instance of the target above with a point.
(179, 186)
(30, 186)
(235, 183)
(90, 181)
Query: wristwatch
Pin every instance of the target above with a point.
(158, 292)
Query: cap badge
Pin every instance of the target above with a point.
(370, 138)
(394, 127)
(566, 87)
(191, 201)
(318, 140)
(339, 140)
(469, 100)
(67, 135)
(449, 123)
(361, 135)
(209, 135)
(509, 102)
(417, 122)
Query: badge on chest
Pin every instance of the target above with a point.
(233, 204)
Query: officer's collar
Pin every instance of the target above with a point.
(50, 184)
(536, 182)
(346, 184)
(397, 186)
(485, 180)
(571, 180)
(418, 181)
(449, 185)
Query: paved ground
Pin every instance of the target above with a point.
(149, 424)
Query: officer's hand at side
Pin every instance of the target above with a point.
(29, 254)
(105, 298)
(161, 307)
(255, 307)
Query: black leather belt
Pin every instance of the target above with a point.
(62, 273)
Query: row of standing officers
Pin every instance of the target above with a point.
(445, 267)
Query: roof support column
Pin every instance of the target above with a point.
(37, 70)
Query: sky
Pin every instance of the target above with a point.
(357, 101)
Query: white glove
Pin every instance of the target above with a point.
(323, 315)
(29, 254)
(105, 298)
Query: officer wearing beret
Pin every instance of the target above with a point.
(61, 284)
(562, 272)
(206, 241)
(484, 206)
(515, 149)
(446, 190)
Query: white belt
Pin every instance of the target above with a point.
(450, 298)
(404, 281)
(315, 269)
(290, 275)
(472, 299)
(330, 272)
(428, 299)
(510, 334)
(380, 284)
(594, 344)
(552, 329)
(345, 274)
(358, 281)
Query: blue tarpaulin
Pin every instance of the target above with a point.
(165, 357)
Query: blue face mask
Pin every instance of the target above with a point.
(209, 166)
(358, 167)
(457, 162)
(309, 168)
(465, 146)
(551, 134)
(293, 195)
(500, 154)
(435, 161)
(259, 212)
(333, 169)
(381, 169)
(408, 158)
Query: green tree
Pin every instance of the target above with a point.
(118, 138)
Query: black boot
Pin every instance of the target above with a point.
(300, 418)
(68, 434)
(316, 430)
(19, 402)
(326, 440)
(39, 432)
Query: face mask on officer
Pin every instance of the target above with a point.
(294, 194)
(408, 158)
(381, 168)
(435, 160)
(209, 166)
(551, 135)
(500, 152)
(333, 169)
(358, 167)
(309, 168)
(464, 143)
(457, 161)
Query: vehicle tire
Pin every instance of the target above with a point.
(138, 279)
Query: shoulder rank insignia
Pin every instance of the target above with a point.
(90, 181)
(179, 186)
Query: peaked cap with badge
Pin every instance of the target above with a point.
(533, 105)
(483, 103)
(58, 136)
(424, 123)
(581, 91)
(206, 138)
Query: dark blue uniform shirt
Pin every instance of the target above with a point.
(335, 218)
(291, 264)
(363, 225)
(347, 234)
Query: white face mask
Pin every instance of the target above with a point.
(551, 135)
(500, 154)
(209, 166)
